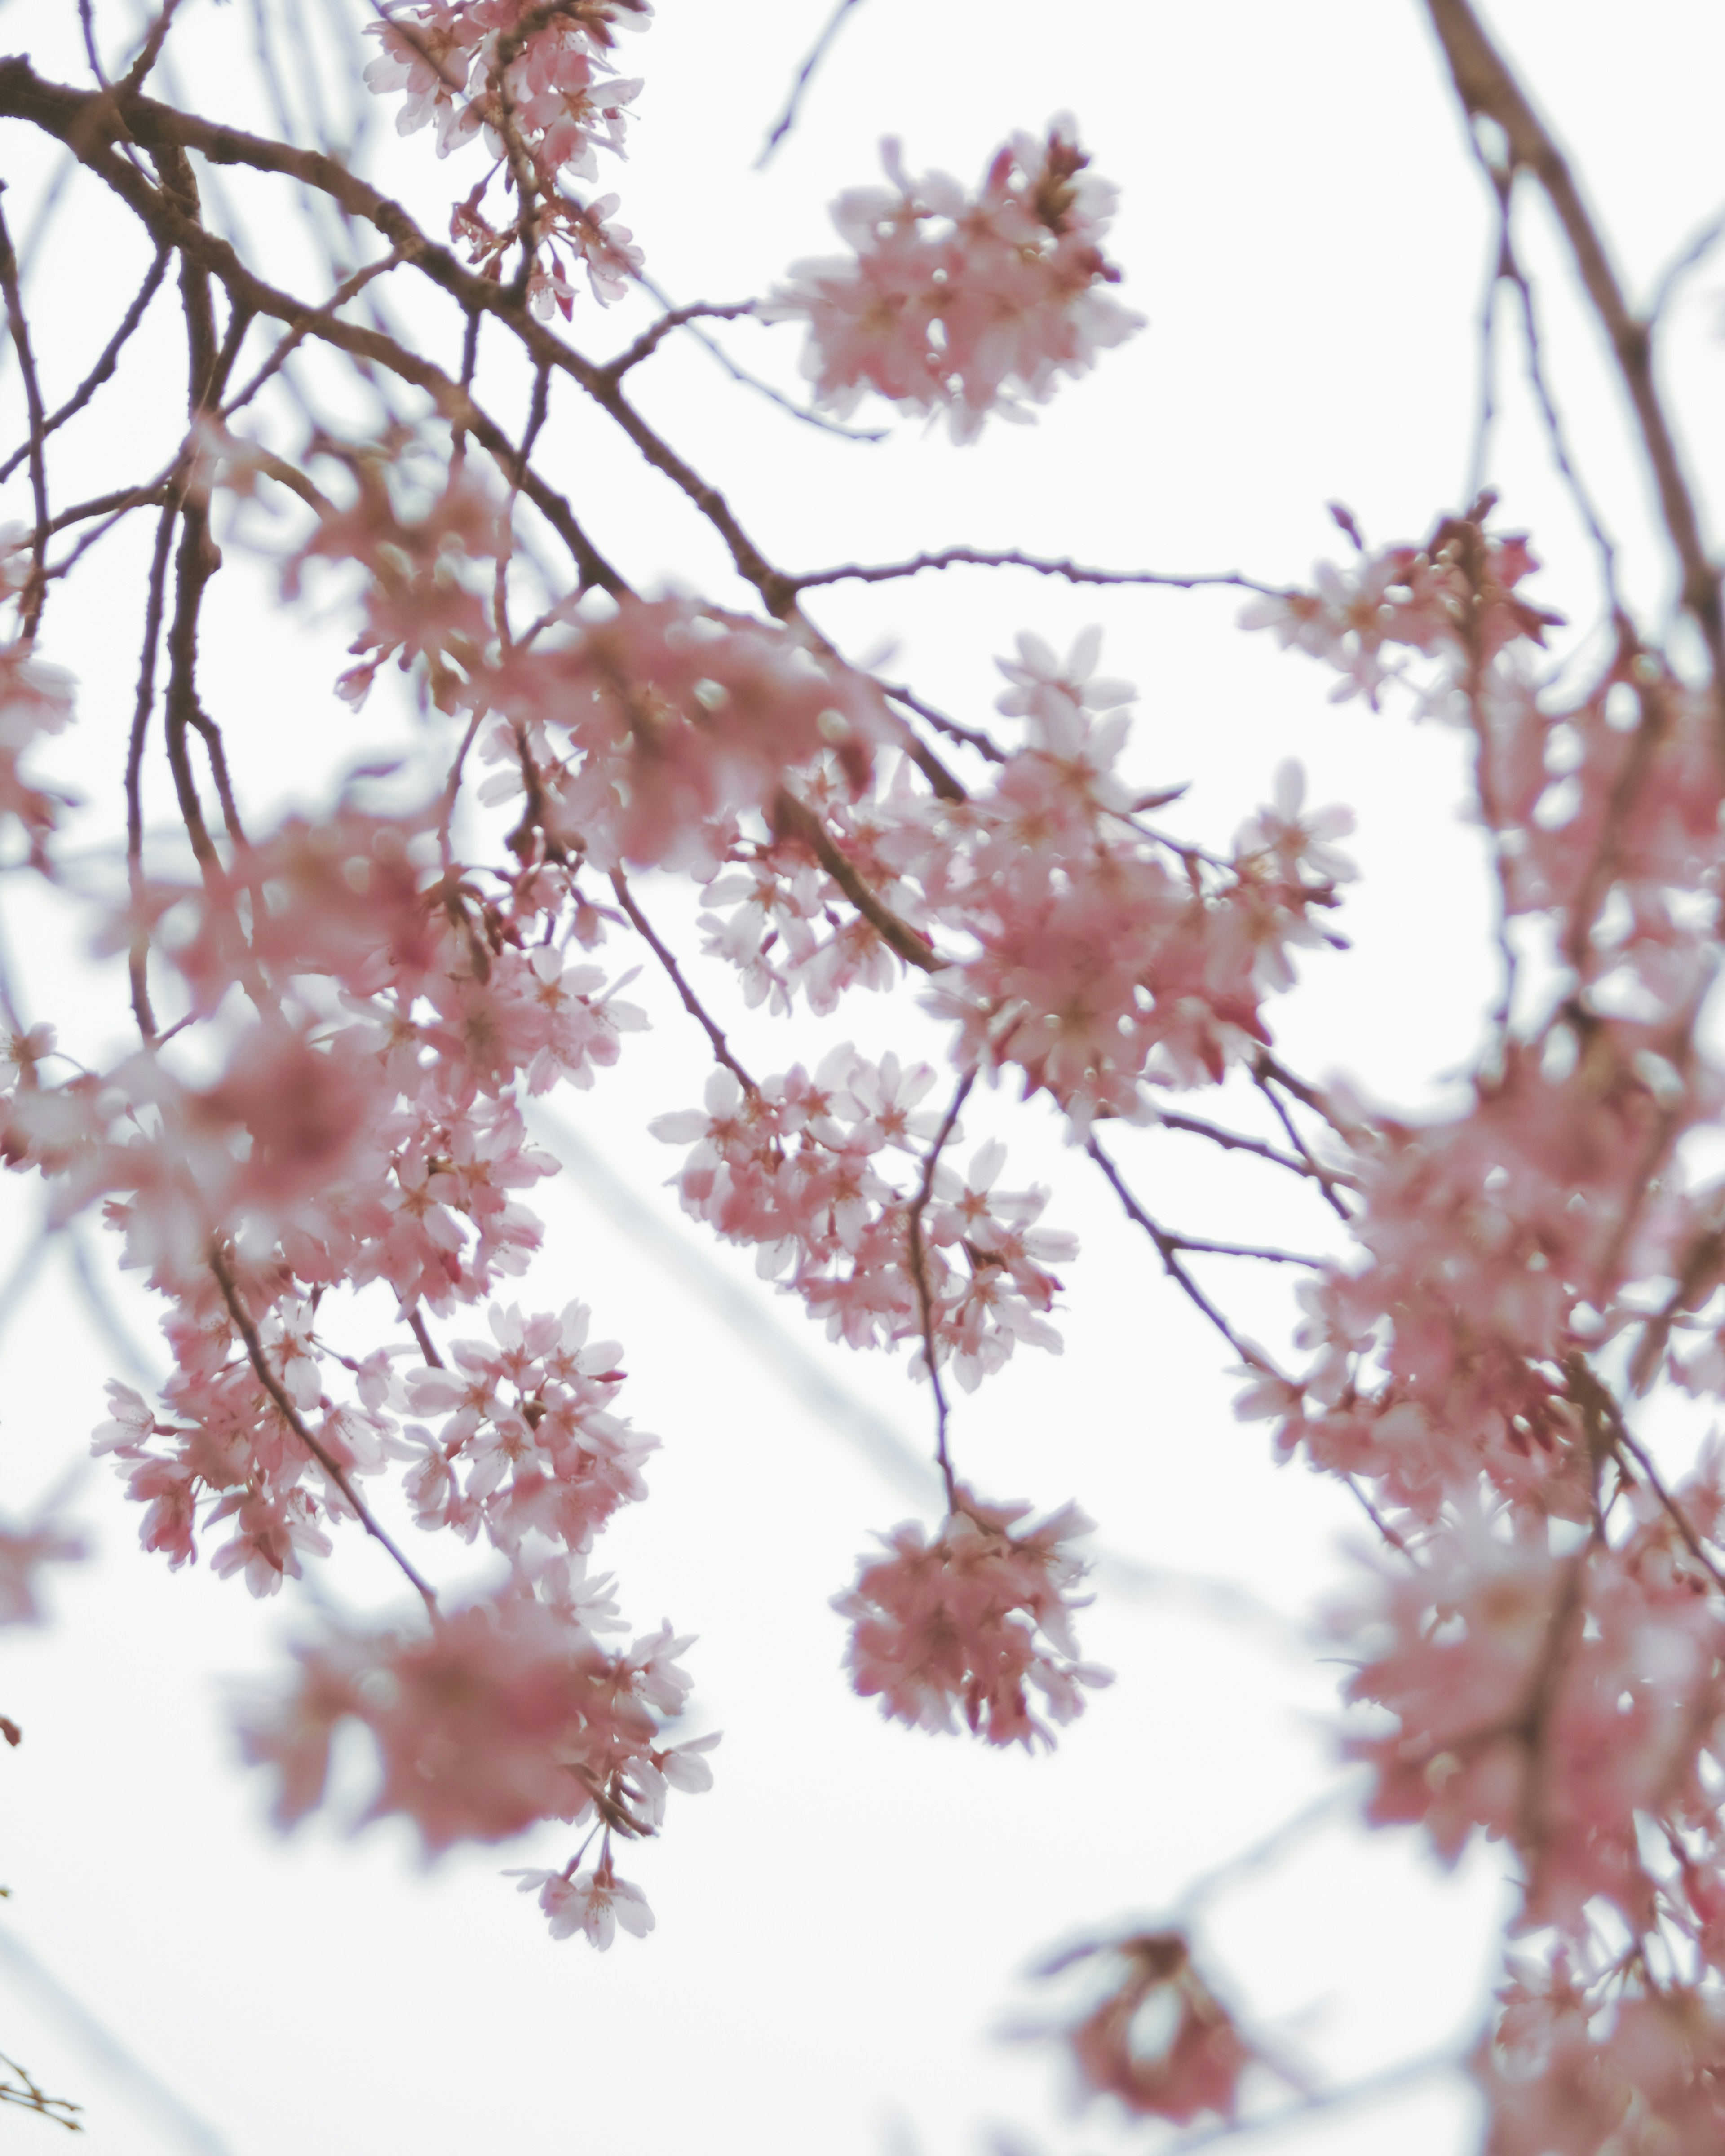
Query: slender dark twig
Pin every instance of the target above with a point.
(104, 365)
(36, 588)
(692, 1002)
(925, 1293)
(139, 960)
(295, 1422)
(951, 557)
(787, 119)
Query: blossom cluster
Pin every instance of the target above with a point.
(955, 1622)
(538, 83)
(1542, 1662)
(1106, 960)
(318, 1156)
(800, 1167)
(962, 304)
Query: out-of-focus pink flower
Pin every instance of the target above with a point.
(965, 305)
(955, 1622)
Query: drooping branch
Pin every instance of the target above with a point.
(1488, 89)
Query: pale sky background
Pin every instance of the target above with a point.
(843, 1921)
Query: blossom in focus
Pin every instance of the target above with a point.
(591, 1903)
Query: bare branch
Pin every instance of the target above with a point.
(692, 1002)
(104, 365)
(36, 589)
(919, 1268)
(787, 119)
(1488, 89)
(654, 334)
(952, 558)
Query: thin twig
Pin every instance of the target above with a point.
(692, 1002)
(1237, 1141)
(952, 558)
(104, 365)
(787, 119)
(925, 1294)
(296, 1422)
(1691, 256)
(1167, 1249)
(654, 334)
(970, 736)
(740, 375)
(36, 588)
(1271, 1257)
(139, 960)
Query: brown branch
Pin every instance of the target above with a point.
(925, 1295)
(1198, 1244)
(36, 588)
(1266, 1074)
(416, 1326)
(797, 821)
(656, 333)
(124, 498)
(951, 557)
(692, 1002)
(1487, 88)
(1167, 1249)
(295, 1422)
(139, 960)
(1237, 1141)
(970, 736)
(348, 289)
(104, 366)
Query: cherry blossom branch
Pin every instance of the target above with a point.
(950, 558)
(1265, 1075)
(971, 736)
(1487, 88)
(1198, 1244)
(1167, 1249)
(296, 1422)
(421, 1332)
(138, 960)
(804, 413)
(1237, 1141)
(1598, 1405)
(656, 333)
(799, 822)
(919, 1268)
(692, 1002)
(348, 289)
(104, 365)
(36, 590)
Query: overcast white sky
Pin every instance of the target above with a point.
(843, 1922)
